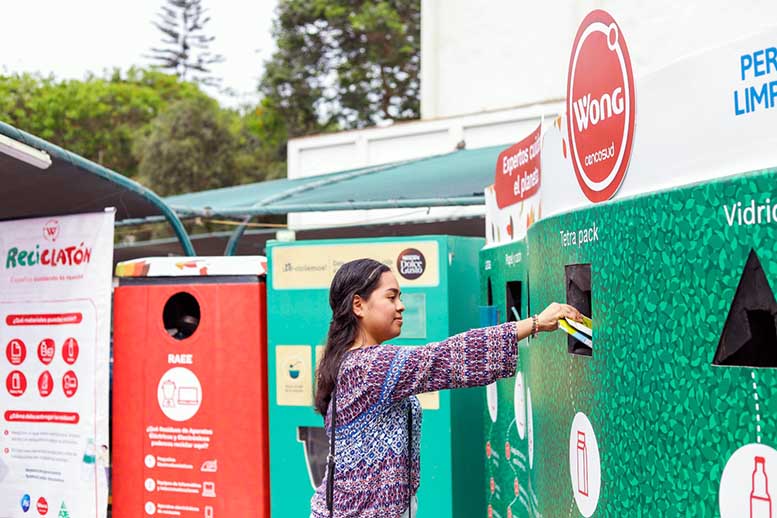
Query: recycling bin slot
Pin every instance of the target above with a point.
(578, 286)
(513, 300)
(488, 315)
(181, 315)
(749, 337)
(316, 447)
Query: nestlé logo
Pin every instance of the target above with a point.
(411, 264)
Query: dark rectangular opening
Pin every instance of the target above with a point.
(489, 315)
(578, 287)
(513, 301)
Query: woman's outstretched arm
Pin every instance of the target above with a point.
(473, 358)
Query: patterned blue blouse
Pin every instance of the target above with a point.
(376, 386)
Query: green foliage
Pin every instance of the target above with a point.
(344, 63)
(104, 118)
(96, 118)
(194, 146)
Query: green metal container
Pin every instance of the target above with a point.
(440, 302)
(504, 297)
(670, 412)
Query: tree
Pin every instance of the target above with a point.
(182, 23)
(188, 148)
(350, 63)
(96, 118)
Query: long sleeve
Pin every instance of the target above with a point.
(470, 359)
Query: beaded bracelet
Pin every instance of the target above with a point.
(535, 326)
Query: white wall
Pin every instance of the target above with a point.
(491, 69)
(491, 55)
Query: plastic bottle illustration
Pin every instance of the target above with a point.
(760, 500)
(16, 381)
(89, 460)
(582, 464)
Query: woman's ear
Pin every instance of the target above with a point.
(358, 306)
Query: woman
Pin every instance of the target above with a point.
(373, 389)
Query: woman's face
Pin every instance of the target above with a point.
(381, 314)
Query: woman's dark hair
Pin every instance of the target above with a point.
(359, 277)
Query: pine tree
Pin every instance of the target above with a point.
(182, 23)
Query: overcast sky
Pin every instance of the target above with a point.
(70, 38)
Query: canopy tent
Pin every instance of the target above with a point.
(453, 179)
(41, 179)
(254, 240)
(456, 178)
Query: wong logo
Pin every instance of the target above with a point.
(600, 106)
(51, 230)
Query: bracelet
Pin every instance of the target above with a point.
(535, 326)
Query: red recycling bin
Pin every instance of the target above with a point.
(189, 409)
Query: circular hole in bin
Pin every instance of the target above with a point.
(181, 315)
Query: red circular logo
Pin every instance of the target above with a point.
(46, 351)
(45, 384)
(600, 106)
(69, 383)
(16, 383)
(16, 351)
(51, 230)
(70, 351)
(42, 505)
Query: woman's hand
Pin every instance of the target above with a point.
(548, 319)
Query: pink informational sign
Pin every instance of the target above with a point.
(55, 286)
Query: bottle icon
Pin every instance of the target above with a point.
(760, 500)
(582, 464)
(16, 381)
(89, 461)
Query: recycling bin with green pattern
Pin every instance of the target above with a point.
(671, 411)
(507, 432)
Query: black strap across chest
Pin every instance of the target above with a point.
(330, 459)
